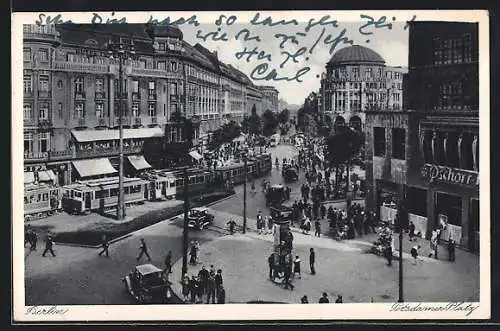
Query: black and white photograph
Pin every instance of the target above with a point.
(176, 162)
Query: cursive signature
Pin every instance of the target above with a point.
(52, 310)
(467, 308)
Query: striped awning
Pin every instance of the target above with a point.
(103, 135)
(94, 167)
(47, 176)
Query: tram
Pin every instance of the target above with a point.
(102, 194)
(40, 200)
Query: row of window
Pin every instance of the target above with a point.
(452, 50)
(359, 86)
(398, 142)
(453, 149)
(42, 55)
(355, 72)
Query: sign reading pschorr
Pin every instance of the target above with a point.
(435, 172)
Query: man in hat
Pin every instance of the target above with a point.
(324, 298)
(312, 259)
(105, 246)
(48, 246)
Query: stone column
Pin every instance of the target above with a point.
(434, 147)
(422, 144)
(461, 164)
(445, 148)
(475, 153)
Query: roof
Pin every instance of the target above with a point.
(165, 30)
(98, 135)
(356, 54)
(146, 269)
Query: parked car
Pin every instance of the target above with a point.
(199, 218)
(147, 285)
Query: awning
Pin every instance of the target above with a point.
(138, 162)
(195, 155)
(46, 176)
(100, 135)
(29, 177)
(94, 167)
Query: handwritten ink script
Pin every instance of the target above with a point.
(296, 40)
(466, 308)
(53, 310)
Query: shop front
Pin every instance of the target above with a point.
(453, 200)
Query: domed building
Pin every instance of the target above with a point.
(357, 80)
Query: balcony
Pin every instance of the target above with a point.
(161, 73)
(154, 120)
(28, 94)
(174, 98)
(137, 121)
(79, 95)
(81, 121)
(122, 96)
(100, 95)
(81, 67)
(136, 96)
(125, 121)
(60, 155)
(152, 96)
(31, 156)
(44, 94)
(44, 125)
(102, 122)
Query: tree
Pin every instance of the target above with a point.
(254, 122)
(284, 116)
(224, 134)
(270, 123)
(343, 145)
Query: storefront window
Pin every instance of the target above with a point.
(417, 201)
(379, 141)
(450, 206)
(398, 143)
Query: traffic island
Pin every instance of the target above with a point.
(91, 234)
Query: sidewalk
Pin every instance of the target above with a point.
(342, 268)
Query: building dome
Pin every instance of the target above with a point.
(356, 55)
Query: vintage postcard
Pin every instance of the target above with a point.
(199, 166)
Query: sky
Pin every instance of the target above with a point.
(391, 44)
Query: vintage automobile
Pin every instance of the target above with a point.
(147, 285)
(290, 174)
(281, 212)
(199, 218)
(275, 195)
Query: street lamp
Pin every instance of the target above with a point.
(122, 51)
(245, 160)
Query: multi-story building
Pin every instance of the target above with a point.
(271, 99)
(71, 95)
(431, 150)
(357, 80)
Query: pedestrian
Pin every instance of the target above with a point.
(28, 235)
(312, 259)
(105, 246)
(211, 287)
(304, 299)
(143, 250)
(451, 249)
(33, 240)
(231, 224)
(270, 224)
(389, 254)
(48, 246)
(296, 266)
(218, 281)
(193, 288)
(414, 253)
(317, 228)
(221, 295)
(197, 251)
(192, 254)
(324, 298)
(259, 222)
(270, 262)
(339, 299)
(185, 287)
(203, 276)
(323, 211)
(288, 272)
(168, 264)
(434, 244)
(411, 231)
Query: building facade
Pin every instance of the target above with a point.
(357, 80)
(270, 98)
(430, 151)
(72, 100)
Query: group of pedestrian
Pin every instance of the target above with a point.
(31, 237)
(194, 251)
(208, 285)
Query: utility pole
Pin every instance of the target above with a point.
(245, 195)
(122, 51)
(402, 221)
(185, 229)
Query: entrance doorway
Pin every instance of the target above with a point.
(449, 206)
